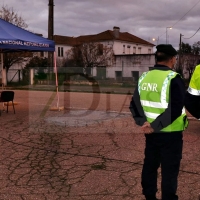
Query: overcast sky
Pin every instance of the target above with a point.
(146, 19)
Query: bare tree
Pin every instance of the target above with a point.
(196, 48)
(89, 55)
(9, 15)
(187, 63)
(15, 57)
(190, 62)
(188, 58)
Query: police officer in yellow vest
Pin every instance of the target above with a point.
(192, 99)
(158, 107)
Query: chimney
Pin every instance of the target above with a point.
(116, 31)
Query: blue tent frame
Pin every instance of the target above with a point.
(13, 38)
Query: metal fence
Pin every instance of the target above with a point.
(76, 75)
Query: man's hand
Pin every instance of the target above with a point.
(146, 128)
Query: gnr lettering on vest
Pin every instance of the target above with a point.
(149, 87)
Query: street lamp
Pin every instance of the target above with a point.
(166, 34)
(157, 40)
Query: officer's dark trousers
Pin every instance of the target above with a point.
(165, 150)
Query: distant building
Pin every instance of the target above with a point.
(123, 42)
(132, 55)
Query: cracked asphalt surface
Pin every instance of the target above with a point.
(91, 150)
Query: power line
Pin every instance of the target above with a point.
(185, 14)
(182, 18)
(194, 34)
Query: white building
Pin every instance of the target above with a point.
(133, 55)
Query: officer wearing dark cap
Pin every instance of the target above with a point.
(167, 49)
(157, 107)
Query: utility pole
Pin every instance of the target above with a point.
(51, 20)
(180, 54)
(50, 34)
(180, 43)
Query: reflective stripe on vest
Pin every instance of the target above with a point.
(154, 104)
(140, 80)
(194, 91)
(154, 115)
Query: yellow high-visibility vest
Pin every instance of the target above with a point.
(153, 87)
(194, 86)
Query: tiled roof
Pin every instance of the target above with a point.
(132, 38)
(103, 36)
(59, 39)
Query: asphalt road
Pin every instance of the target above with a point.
(91, 150)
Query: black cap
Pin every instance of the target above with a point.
(167, 49)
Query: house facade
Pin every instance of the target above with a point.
(132, 55)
